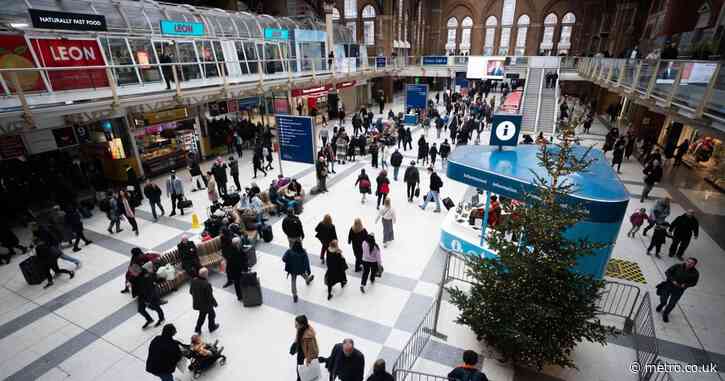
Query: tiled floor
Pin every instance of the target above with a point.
(84, 329)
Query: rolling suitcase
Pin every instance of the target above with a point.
(448, 203)
(251, 254)
(251, 290)
(267, 233)
(32, 270)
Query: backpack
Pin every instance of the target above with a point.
(473, 376)
(105, 205)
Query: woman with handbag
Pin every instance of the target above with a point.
(387, 215)
(363, 183)
(371, 261)
(383, 187)
(305, 347)
(336, 267)
(355, 237)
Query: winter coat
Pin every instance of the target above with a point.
(152, 192)
(346, 368)
(661, 211)
(396, 159)
(164, 353)
(653, 174)
(189, 257)
(292, 227)
(371, 255)
(660, 235)
(325, 233)
(433, 152)
(236, 260)
(220, 172)
(680, 274)
(637, 218)
(308, 349)
(356, 240)
(411, 176)
(380, 376)
(435, 182)
(144, 287)
(233, 167)
(684, 226)
(618, 154)
(382, 183)
(202, 295)
(336, 267)
(445, 150)
(296, 262)
(359, 182)
(74, 220)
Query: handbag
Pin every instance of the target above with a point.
(380, 270)
(661, 287)
(310, 372)
(417, 191)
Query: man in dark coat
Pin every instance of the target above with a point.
(189, 256)
(396, 159)
(444, 150)
(74, 220)
(682, 230)
(144, 288)
(204, 302)
(48, 256)
(292, 228)
(164, 354)
(153, 193)
(345, 362)
(132, 179)
(234, 171)
(219, 170)
(467, 371)
(412, 179)
(680, 277)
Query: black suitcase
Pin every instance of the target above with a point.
(32, 270)
(231, 199)
(251, 290)
(267, 233)
(448, 203)
(251, 254)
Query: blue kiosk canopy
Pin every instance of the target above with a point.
(511, 173)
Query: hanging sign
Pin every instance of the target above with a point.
(182, 28)
(276, 34)
(506, 129)
(68, 21)
(416, 96)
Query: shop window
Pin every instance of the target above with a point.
(239, 46)
(189, 62)
(206, 53)
(219, 54)
(250, 51)
(145, 57)
(523, 28)
(118, 54)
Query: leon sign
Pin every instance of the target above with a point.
(72, 53)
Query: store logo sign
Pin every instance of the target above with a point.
(276, 34)
(67, 21)
(506, 130)
(182, 28)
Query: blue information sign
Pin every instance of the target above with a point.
(416, 96)
(410, 119)
(248, 103)
(380, 61)
(182, 28)
(276, 34)
(506, 129)
(435, 60)
(296, 138)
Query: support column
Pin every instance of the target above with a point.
(388, 24)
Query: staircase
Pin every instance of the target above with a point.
(531, 99)
(548, 110)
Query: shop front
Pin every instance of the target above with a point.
(225, 117)
(316, 101)
(164, 139)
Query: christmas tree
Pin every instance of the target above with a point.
(528, 304)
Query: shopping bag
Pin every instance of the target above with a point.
(310, 372)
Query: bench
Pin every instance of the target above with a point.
(209, 256)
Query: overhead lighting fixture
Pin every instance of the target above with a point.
(19, 25)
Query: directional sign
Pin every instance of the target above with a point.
(506, 129)
(296, 138)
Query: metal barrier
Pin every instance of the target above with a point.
(645, 339)
(619, 299)
(417, 342)
(661, 376)
(409, 375)
(456, 269)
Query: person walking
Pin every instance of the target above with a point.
(75, 221)
(153, 193)
(408, 141)
(383, 155)
(48, 257)
(233, 165)
(682, 230)
(203, 300)
(382, 187)
(212, 191)
(146, 293)
(321, 173)
(189, 254)
(379, 372)
(373, 149)
(618, 154)
(128, 210)
(345, 363)
(422, 150)
(680, 277)
(175, 191)
(197, 178)
(371, 260)
(305, 345)
(434, 194)
(10, 241)
(658, 238)
(336, 267)
(164, 354)
(467, 371)
(637, 220)
(113, 211)
(681, 151)
(296, 263)
(363, 184)
(396, 160)
(326, 233)
(387, 215)
(355, 237)
(257, 161)
(659, 214)
(292, 228)
(267, 153)
(219, 171)
(236, 261)
(433, 153)
(653, 174)
(444, 151)
(411, 179)
(324, 134)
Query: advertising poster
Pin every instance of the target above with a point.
(494, 69)
(72, 53)
(698, 73)
(416, 96)
(486, 67)
(14, 53)
(296, 138)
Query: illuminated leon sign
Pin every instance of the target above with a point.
(182, 28)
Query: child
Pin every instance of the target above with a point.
(637, 219)
(658, 238)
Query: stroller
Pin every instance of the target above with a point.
(198, 363)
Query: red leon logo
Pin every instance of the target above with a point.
(72, 53)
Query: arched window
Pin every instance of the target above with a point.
(523, 28)
(547, 42)
(466, 26)
(452, 26)
(491, 23)
(567, 23)
(351, 17)
(335, 14)
(507, 22)
(368, 14)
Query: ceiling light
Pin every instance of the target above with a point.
(19, 25)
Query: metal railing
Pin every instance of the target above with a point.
(645, 339)
(417, 342)
(661, 376)
(619, 300)
(409, 375)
